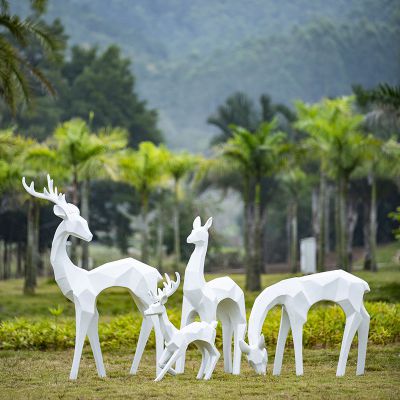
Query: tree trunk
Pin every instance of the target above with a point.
(36, 253)
(373, 223)
(85, 195)
(18, 272)
(321, 230)
(75, 200)
(366, 234)
(177, 235)
(160, 238)
(254, 276)
(315, 212)
(343, 239)
(327, 220)
(144, 211)
(30, 264)
(6, 261)
(293, 263)
(352, 217)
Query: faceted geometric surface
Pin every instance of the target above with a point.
(297, 295)
(82, 287)
(202, 334)
(220, 299)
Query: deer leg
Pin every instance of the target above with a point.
(280, 346)
(227, 331)
(352, 324)
(213, 359)
(297, 332)
(159, 343)
(186, 319)
(239, 334)
(83, 320)
(168, 365)
(93, 333)
(143, 337)
(204, 361)
(362, 341)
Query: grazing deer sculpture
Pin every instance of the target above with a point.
(202, 334)
(82, 287)
(297, 295)
(220, 299)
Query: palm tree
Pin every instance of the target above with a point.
(239, 110)
(179, 166)
(87, 156)
(334, 134)
(255, 155)
(16, 71)
(11, 149)
(293, 180)
(144, 169)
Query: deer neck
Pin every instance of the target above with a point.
(194, 273)
(263, 303)
(62, 265)
(167, 328)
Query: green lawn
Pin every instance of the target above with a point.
(44, 375)
(31, 374)
(385, 286)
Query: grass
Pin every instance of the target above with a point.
(44, 375)
(385, 286)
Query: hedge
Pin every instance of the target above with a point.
(324, 328)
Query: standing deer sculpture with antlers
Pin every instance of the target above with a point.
(82, 287)
(202, 334)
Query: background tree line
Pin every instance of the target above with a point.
(330, 169)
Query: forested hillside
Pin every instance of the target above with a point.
(190, 55)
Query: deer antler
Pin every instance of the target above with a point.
(49, 193)
(170, 288)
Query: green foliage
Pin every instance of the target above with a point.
(324, 328)
(17, 72)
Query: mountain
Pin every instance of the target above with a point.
(189, 56)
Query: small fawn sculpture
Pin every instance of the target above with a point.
(202, 334)
(297, 295)
(82, 287)
(220, 299)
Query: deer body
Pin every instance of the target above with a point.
(202, 334)
(297, 295)
(220, 299)
(82, 287)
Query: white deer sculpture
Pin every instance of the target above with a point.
(220, 299)
(82, 287)
(297, 295)
(202, 334)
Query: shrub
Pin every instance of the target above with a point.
(324, 328)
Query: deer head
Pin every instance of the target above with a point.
(74, 224)
(256, 355)
(162, 295)
(199, 233)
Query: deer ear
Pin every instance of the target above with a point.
(244, 347)
(208, 223)
(163, 299)
(59, 211)
(197, 223)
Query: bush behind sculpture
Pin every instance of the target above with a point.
(324, 328)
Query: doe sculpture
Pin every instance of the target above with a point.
(82, 287)
(297, 295)
(202, 334)
(220, 299)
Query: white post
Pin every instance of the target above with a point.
(308, 258)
